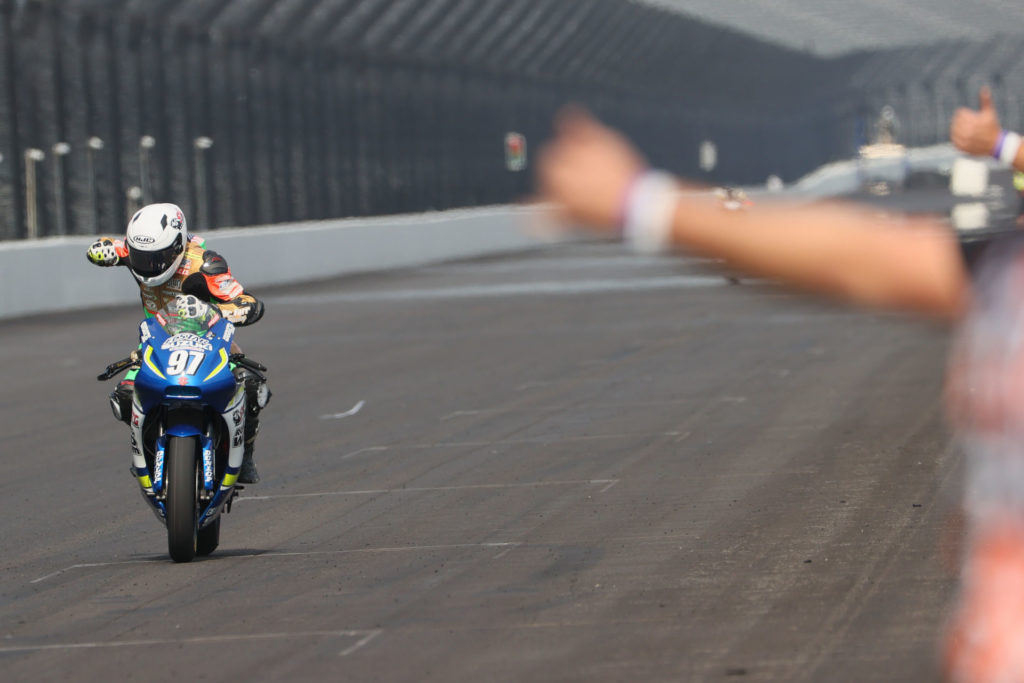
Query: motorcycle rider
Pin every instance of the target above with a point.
(170, 265)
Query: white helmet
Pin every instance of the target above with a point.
(156, 240)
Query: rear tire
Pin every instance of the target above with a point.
(180, 481)
(208, 539)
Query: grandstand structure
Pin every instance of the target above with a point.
(249, 112)
(830, 28)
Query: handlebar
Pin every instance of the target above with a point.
(255, 366)
(117, 368)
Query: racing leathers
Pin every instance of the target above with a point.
(204, 274)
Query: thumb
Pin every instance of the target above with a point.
(985, 98)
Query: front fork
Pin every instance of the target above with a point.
(206, 492)
(211, 497)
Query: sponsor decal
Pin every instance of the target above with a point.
(228, 286)
(237, 417)
(158, 466)
(143, 239)
(188, 341)
(144, 334)
(135, 422)
(222, 281)
(237, 315)
(237, 440)
(175, 284)
(183, 380)
(229, 332)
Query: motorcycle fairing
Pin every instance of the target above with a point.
(185, 365)
(234, 418)
(181, 371)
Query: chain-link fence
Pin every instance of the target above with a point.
(260, 111)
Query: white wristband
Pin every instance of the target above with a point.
(649, 212)
(1010, 146)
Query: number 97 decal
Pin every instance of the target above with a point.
(182, 361)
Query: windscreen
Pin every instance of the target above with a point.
(176, 319)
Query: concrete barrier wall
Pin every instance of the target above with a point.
(51, 275)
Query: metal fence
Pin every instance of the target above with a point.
(260, 111)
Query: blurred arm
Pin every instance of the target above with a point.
(837, 250)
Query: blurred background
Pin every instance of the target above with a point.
(249, 112)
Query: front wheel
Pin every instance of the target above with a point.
(181, 481)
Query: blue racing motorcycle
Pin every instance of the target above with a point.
(187, 422)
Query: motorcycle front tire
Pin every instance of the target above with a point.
(181, 481)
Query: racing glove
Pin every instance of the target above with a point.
(103, 252)
(245, 310)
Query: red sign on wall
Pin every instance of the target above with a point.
(515, 151)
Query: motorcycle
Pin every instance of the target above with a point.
(187, 423)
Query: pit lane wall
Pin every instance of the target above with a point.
(53, 275)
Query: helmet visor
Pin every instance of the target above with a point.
(153, 263)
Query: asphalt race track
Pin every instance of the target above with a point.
(567, 465)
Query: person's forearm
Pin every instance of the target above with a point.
(837, 250)
(593, 176)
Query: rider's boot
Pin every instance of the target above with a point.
(248, 473)
(255, 386)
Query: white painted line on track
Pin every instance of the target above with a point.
(564, 408)
(624, 260)
(363, 641)
(466, 413)
(505, 442)
(503, 553)
(510, 289)
(87, 565)
(365, 636)
(608, 483)
(348, 413)
(308, 553)
(368, 449)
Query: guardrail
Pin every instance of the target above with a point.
(59, 278)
